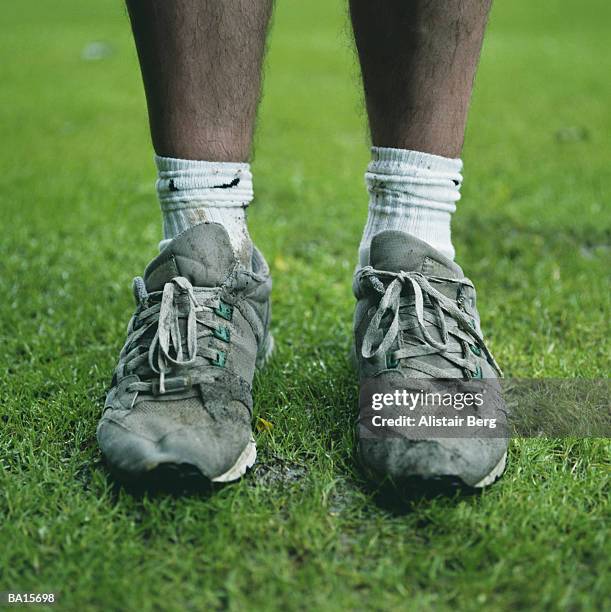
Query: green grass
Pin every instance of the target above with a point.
(80, 220)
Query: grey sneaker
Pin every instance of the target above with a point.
(417, 327)
(180, 396)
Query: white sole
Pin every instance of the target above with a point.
(494, 475)
(245, 461)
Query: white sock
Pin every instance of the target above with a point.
(191, 192)
(412, 192)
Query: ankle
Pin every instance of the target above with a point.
(412, 192)
(192, 192)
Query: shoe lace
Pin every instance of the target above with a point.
(460, 339)
(155, 355)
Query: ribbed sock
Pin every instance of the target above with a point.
(191, 192)
(412, 192)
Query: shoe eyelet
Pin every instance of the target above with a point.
(224, 310)
(221, 357)
(222, 333)
(391, 362)
(475, 350)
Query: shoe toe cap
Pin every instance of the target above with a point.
(136, 442)
(474, 462)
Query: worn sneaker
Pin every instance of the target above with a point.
(180, 396)
(417, 328)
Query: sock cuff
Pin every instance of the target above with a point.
(397, 178)
(185, 183)
(174, 164)
(403, 161)
(412, 192)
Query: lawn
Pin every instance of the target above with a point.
(302, 531)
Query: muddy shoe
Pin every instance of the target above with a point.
(181, 393)
(418, 340)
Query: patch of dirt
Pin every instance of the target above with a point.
(274, 471)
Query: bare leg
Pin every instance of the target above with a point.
(418, 59)
(201, 66)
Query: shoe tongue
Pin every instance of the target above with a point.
(396, 251)
(202, 254)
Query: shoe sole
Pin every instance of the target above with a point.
(155, 471)
(494, 475)
(245, 461)
(442, 484)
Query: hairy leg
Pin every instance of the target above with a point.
(201, 65)
(418, 60)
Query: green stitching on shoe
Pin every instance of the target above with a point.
(221, 357)
(224, 310)
(222, 333)
(391, 362)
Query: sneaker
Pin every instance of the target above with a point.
(417, 327)
(180, 396)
